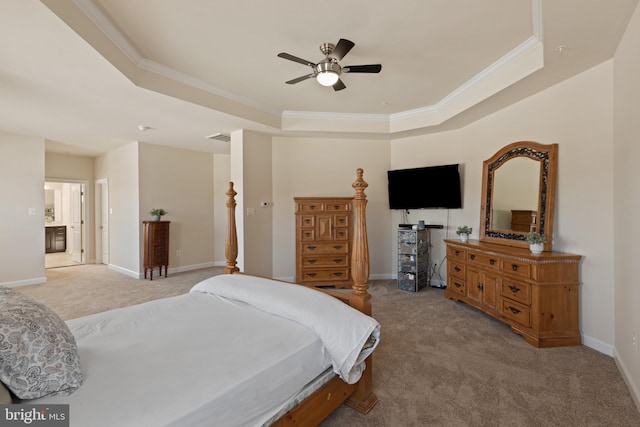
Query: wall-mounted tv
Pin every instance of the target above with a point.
(432, 187)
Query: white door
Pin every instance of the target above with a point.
(76, 222)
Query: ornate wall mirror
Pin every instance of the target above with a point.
(518, 193)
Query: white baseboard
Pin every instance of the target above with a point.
(598, 345)
(129, 273)
(192, 267)
(633, 388)
(26, 282)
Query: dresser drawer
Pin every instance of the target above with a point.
(311, 207)
(341, 220)
(455, 253)
(307, 220)
(483, 260)
(315, 261)
(325, 248)
(515, 311)
(457, 285)
(307, 234)
(338, 206)
(516, 268)
(341, 234)
(456, 269)
(329, 275)
(516, 290)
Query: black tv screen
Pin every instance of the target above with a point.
(432, 187)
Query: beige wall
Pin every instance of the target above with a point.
(180, 182)
(577, 114)
(626, 203)
(21, 210)
(120, 168)
(327, 167)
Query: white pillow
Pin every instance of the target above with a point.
(38, 352)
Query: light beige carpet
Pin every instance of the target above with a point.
(439, 363)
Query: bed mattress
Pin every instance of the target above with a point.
(192, 360)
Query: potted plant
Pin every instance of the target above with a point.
(536, 242)
(157, 213)
(464, 231)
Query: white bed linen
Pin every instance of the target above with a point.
(342, 329)
(192, 360)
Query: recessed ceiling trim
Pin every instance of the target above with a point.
(504, 72)
(97, 16)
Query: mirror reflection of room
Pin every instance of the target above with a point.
(515, 195)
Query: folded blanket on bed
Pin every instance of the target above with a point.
(343, 330)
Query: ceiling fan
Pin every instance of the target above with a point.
(327, 72)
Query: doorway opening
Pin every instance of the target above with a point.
(65, 213)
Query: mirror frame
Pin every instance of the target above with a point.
(547, 155)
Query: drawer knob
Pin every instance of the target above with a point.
(338, 247)
(337, 274)
(514, 310)
(311, 274)
(312, 207)
(337, 260)
(457, 253)
(456, 284)
(492, 261)
(457, 269)
(514, 289)
(480, 286)
(311, 261)
(311, 248)
(307, 234)
(336, 207)
(515, 267)
(472, 256)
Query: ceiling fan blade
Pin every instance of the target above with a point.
(339, 85)
(372, 68)
(299, 79)
(296, 59)
(342, 48)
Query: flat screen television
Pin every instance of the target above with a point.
(432, 187)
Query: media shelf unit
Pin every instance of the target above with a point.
(413, 259)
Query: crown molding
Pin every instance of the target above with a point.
(515, 65)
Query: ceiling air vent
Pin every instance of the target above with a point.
(219, 137)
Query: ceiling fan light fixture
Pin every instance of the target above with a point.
(328, 73)
(327, 78)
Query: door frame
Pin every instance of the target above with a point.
(83, 212)
(101, 209)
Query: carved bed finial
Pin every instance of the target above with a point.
(360, 250)
(231, 239)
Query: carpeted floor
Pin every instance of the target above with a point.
(439, 363)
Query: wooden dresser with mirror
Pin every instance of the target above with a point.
(537, 295)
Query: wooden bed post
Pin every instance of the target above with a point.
(231, 239)
(363, 399)
(360, 249)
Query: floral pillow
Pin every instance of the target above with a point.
(38, 352)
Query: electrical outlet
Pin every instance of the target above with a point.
(635, 341)
(178, 252)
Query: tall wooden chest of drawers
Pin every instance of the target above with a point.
(323, 241)
(537, 295)
(155, 246)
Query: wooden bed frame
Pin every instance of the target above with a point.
(329, 397)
